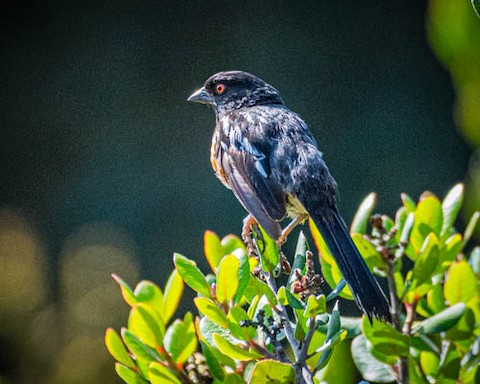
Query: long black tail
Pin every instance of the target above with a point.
(366, 290)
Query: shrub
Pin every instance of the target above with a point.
(261, 320)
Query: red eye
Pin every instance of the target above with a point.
(220, 88)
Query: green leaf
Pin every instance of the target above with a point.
(256, 287)
(233, 244)
(369, 253)
(435, 299)
(330, 270)
(408, 202)
(428, 218)
(272, 372)
(333, 336)
(267, 249)
(207, 329)
(190, 273)
(476, 6)
(293, 301)
(450, 251)
(385, 339)
(181, 339)
(234, 351)
(159, 374)
(137, 348)
(147, 325)
(282, 296)
(370, 368)
(474, 261)
(127, 292)
(470, 228)
(233, 378)
(213, 249)
(316, 305)
(429, 362)
(127, 375)
(173, 294)
(213, 364)
(426, 262)
(117, 349)
(300, 258)
(235, 317)
(210, 309)
(360, 221)
(461, 284)
(148, 292)
(227, 278)
(440, 322)
(337, 290)
(451, 206)
(464, 328)
(243, 278)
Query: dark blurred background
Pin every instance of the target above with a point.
(104, 167)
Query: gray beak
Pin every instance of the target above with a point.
(201, 96)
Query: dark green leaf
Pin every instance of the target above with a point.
(293, 301)
(336, 291)
(213, 364)
(370, 368)
(117, 349)
(442, 321)
(190, 273)
(476, 6)
(360, 221)
(272, 372)
(463, 330)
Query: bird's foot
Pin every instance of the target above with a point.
(247, 237)
(289, 228)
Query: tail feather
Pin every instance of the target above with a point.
(365, 289)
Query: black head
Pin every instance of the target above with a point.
(235, 89)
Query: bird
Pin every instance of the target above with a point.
(266, 155)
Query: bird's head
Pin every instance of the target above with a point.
(231, 90)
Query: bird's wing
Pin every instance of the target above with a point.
(247, 172)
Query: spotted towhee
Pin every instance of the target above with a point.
(266, 155)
